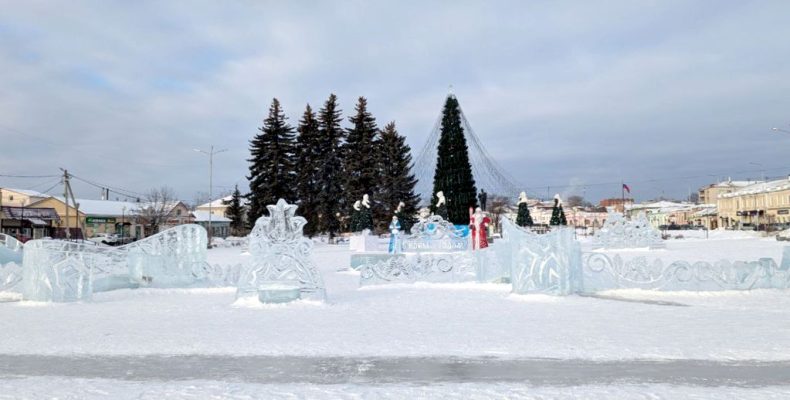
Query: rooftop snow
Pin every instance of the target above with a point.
(761, 187)
(26, 192)
(202, 216)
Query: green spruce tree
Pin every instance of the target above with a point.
(308, 169)
(453, 170)
(271, 163)
(397, 181)
(366, 219)
(563, 221)
(360, 155)
(523, 218)
(557, 214)
(330, 168)
(235, 212)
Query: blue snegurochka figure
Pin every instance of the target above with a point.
(394, 233)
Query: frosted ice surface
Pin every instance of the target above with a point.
(280, 256)
(547, 263)
(604, 272)
(619, 233)
(10, 277)
(10, 250)
(172, 258)
(417, 267)
(61, 271)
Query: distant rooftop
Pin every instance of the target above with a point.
(222, 202)
(31, 193)
(202, 216)
(760, 187)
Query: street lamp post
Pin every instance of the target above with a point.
(123, 223)
(765, 199)
(210, 155)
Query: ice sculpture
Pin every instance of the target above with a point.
(61, 271)
(493, 263)
(10, 250)
(436, 251)
(434, 234)
(619, 233)
(414, 267)
(548, 263)
(604, 272)
(173, 258)
(280, 269)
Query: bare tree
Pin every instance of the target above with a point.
(576, 201)
(201, 198)
(156, 208)
(497, 207)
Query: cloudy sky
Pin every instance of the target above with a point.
(568, 97)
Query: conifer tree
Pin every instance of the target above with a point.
(523, 218)
(365, 219)
(563, 221)
(355, 221)
(557, 213)
(308, 169)
(235, 212)
(271, 163)
(361, 154)
(397, 181)
(453, 170)
(330, 167)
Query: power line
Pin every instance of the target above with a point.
(29, 176)
(120, 191)
(653, 180)
(52, 187)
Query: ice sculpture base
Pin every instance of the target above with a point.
(364, 243)
(418, 267)
(279, 292)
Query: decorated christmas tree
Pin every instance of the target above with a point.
(453, 170)
(523, 218)
(557, 213)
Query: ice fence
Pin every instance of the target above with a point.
(62, 271)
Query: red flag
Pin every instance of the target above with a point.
(626, 188)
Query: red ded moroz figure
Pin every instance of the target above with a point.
(478, 225)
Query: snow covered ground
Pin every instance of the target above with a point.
(444, 321)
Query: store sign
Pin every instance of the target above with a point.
(783, 212)
(99, 220)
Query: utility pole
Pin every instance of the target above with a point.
(210, 155)
(67, 192)
(66, 201)
(1, 211)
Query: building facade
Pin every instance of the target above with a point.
(764, 205)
